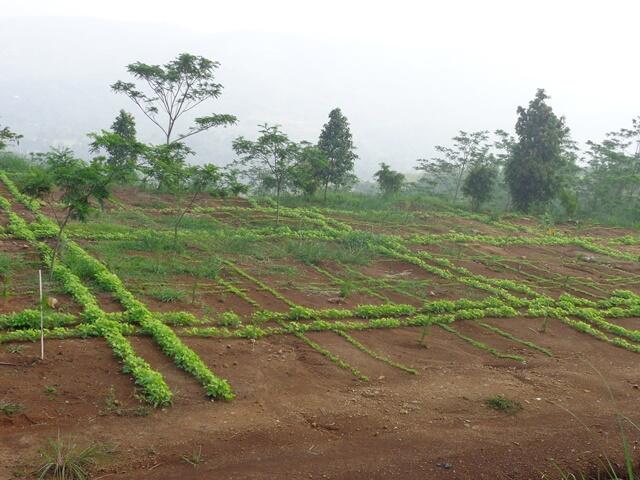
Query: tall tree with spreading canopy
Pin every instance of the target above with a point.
(272, 156)
(539, 156)
(467, 151)
(337, 144)
(175, 89)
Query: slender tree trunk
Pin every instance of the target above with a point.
(179, 220)
(326, 186)
(56, 248)
(278, 204)
(455, 197)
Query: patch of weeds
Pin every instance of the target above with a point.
(282, 269)
(62, 459)
(50, 390)
(113, 406)
(351, 250)
(7, 265)
(503, 404)
(194, 458)
(167, 294)
(10, 408)
(15, 348)
(346, 289)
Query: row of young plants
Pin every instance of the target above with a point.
(164, 336)
(297, 312)
(153, 386)
(586, 242)
(389, 314)
(495, 286)
(31, 319)
(137, 312)
(519, 302)
(374, 354)
(394, 247)
(482, 345)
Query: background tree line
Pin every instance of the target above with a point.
(537, 170)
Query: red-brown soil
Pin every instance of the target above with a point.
(297, 415)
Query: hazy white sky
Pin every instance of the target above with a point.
(471, 23)
(424, 69)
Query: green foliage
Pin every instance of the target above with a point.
(269, 160)
(389, 181)
(610, 184)
(7, 137)
(310, 167)
(313, 252)
(175, 88)
(337, 144)
(121, 148)
(446, 172)
(10, 408)
(533, 172)
(37, 182)
(478, 185)
(230, 320)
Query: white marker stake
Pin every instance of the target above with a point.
(41, 317)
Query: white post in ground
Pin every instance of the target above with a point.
(41, 317)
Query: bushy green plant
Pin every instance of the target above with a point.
(230, 320)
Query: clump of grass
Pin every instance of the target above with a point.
(194, 458)
(10, 408)
(113, 406)
(503, 404)
(351, 250)
(62, 459)
(282, 269)
(50, 390)
(346, 289)
(15, 348)
(167, 294)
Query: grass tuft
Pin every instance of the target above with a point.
(503, 404)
